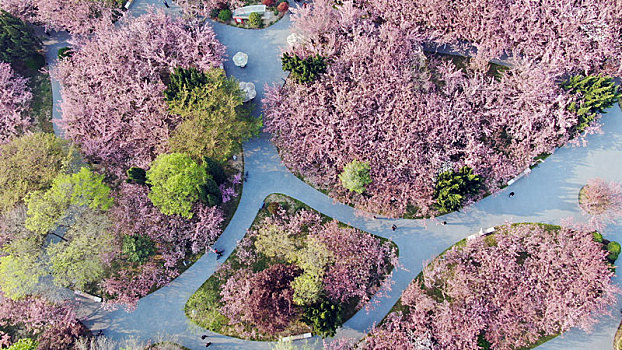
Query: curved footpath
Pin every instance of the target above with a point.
(548, 194)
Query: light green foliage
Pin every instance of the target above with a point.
(47, 208)
(274, 242)
(138, 248)
(206, 305)
(597, 236)
(452, 188)
(21, 267)
(214, 121)
(80, 261)
(313, 259)
(324, 317)
(355, 176)
(88, 189)
(19, 275)
(614, 251)
(29, 163)
(595, 93)
(175, 181)
(254, 19)
(303, 70)
(24, 344)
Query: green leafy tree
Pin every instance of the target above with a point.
(254, 19)
(20, 273)
(324, 316)
(47, 208)
(24, 344)
(79, 260)
(136, 175)
(313, 259)
(138, 248)
(355, 176)
(176, 182)
(29, 163)
(210, 194)
(452, 188)
(274, 242)
(225, 15)
(303, 70)
(614, 251)
(21, 266)
(595, 93)
(19, 46)
(215, 124)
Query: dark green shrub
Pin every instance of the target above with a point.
(213, 13)
(215, 169)
(64, 53)
(19, 46)
(614, 250)
(254, 19)
(597, 237)
(324, 317)
(225, 15)
(210, 193)
(138, 248)
(182, 80)
(482, 342)
(34, 63)
(452, 188)
(303, 70)
(136, 175)
(594, 93)
(276, 12)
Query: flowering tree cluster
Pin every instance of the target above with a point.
(113, 104)
(55, 324)
(174, 236)
(203, 7)
(602, 201)
(75, 16)
(410, 116)
(15, 98)
(525, 282)
(311, 265)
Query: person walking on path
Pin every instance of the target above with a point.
(511, 194)
(165, 3)
(394, 227)
(204, 336)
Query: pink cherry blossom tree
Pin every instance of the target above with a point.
(113, 105)
(15, 98)
(602, 201)
(525, 282)
(76, 16)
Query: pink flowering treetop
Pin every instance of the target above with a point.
(78, 17)
(510, 289)
(113, 104)
(602, 201)
(15, 98)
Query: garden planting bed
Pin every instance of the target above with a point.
(514, 289)
(296, 271)
(361, 89)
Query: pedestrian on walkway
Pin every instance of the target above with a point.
(208, 344)
(246, 176)
(204, 336)
(511, 194)
(394, 227)
(165, 3)
(444, 223)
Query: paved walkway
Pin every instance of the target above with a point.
(548, 194)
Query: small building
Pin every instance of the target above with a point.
(242, 13)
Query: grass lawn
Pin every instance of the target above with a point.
(203, 307)
(41, 105)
